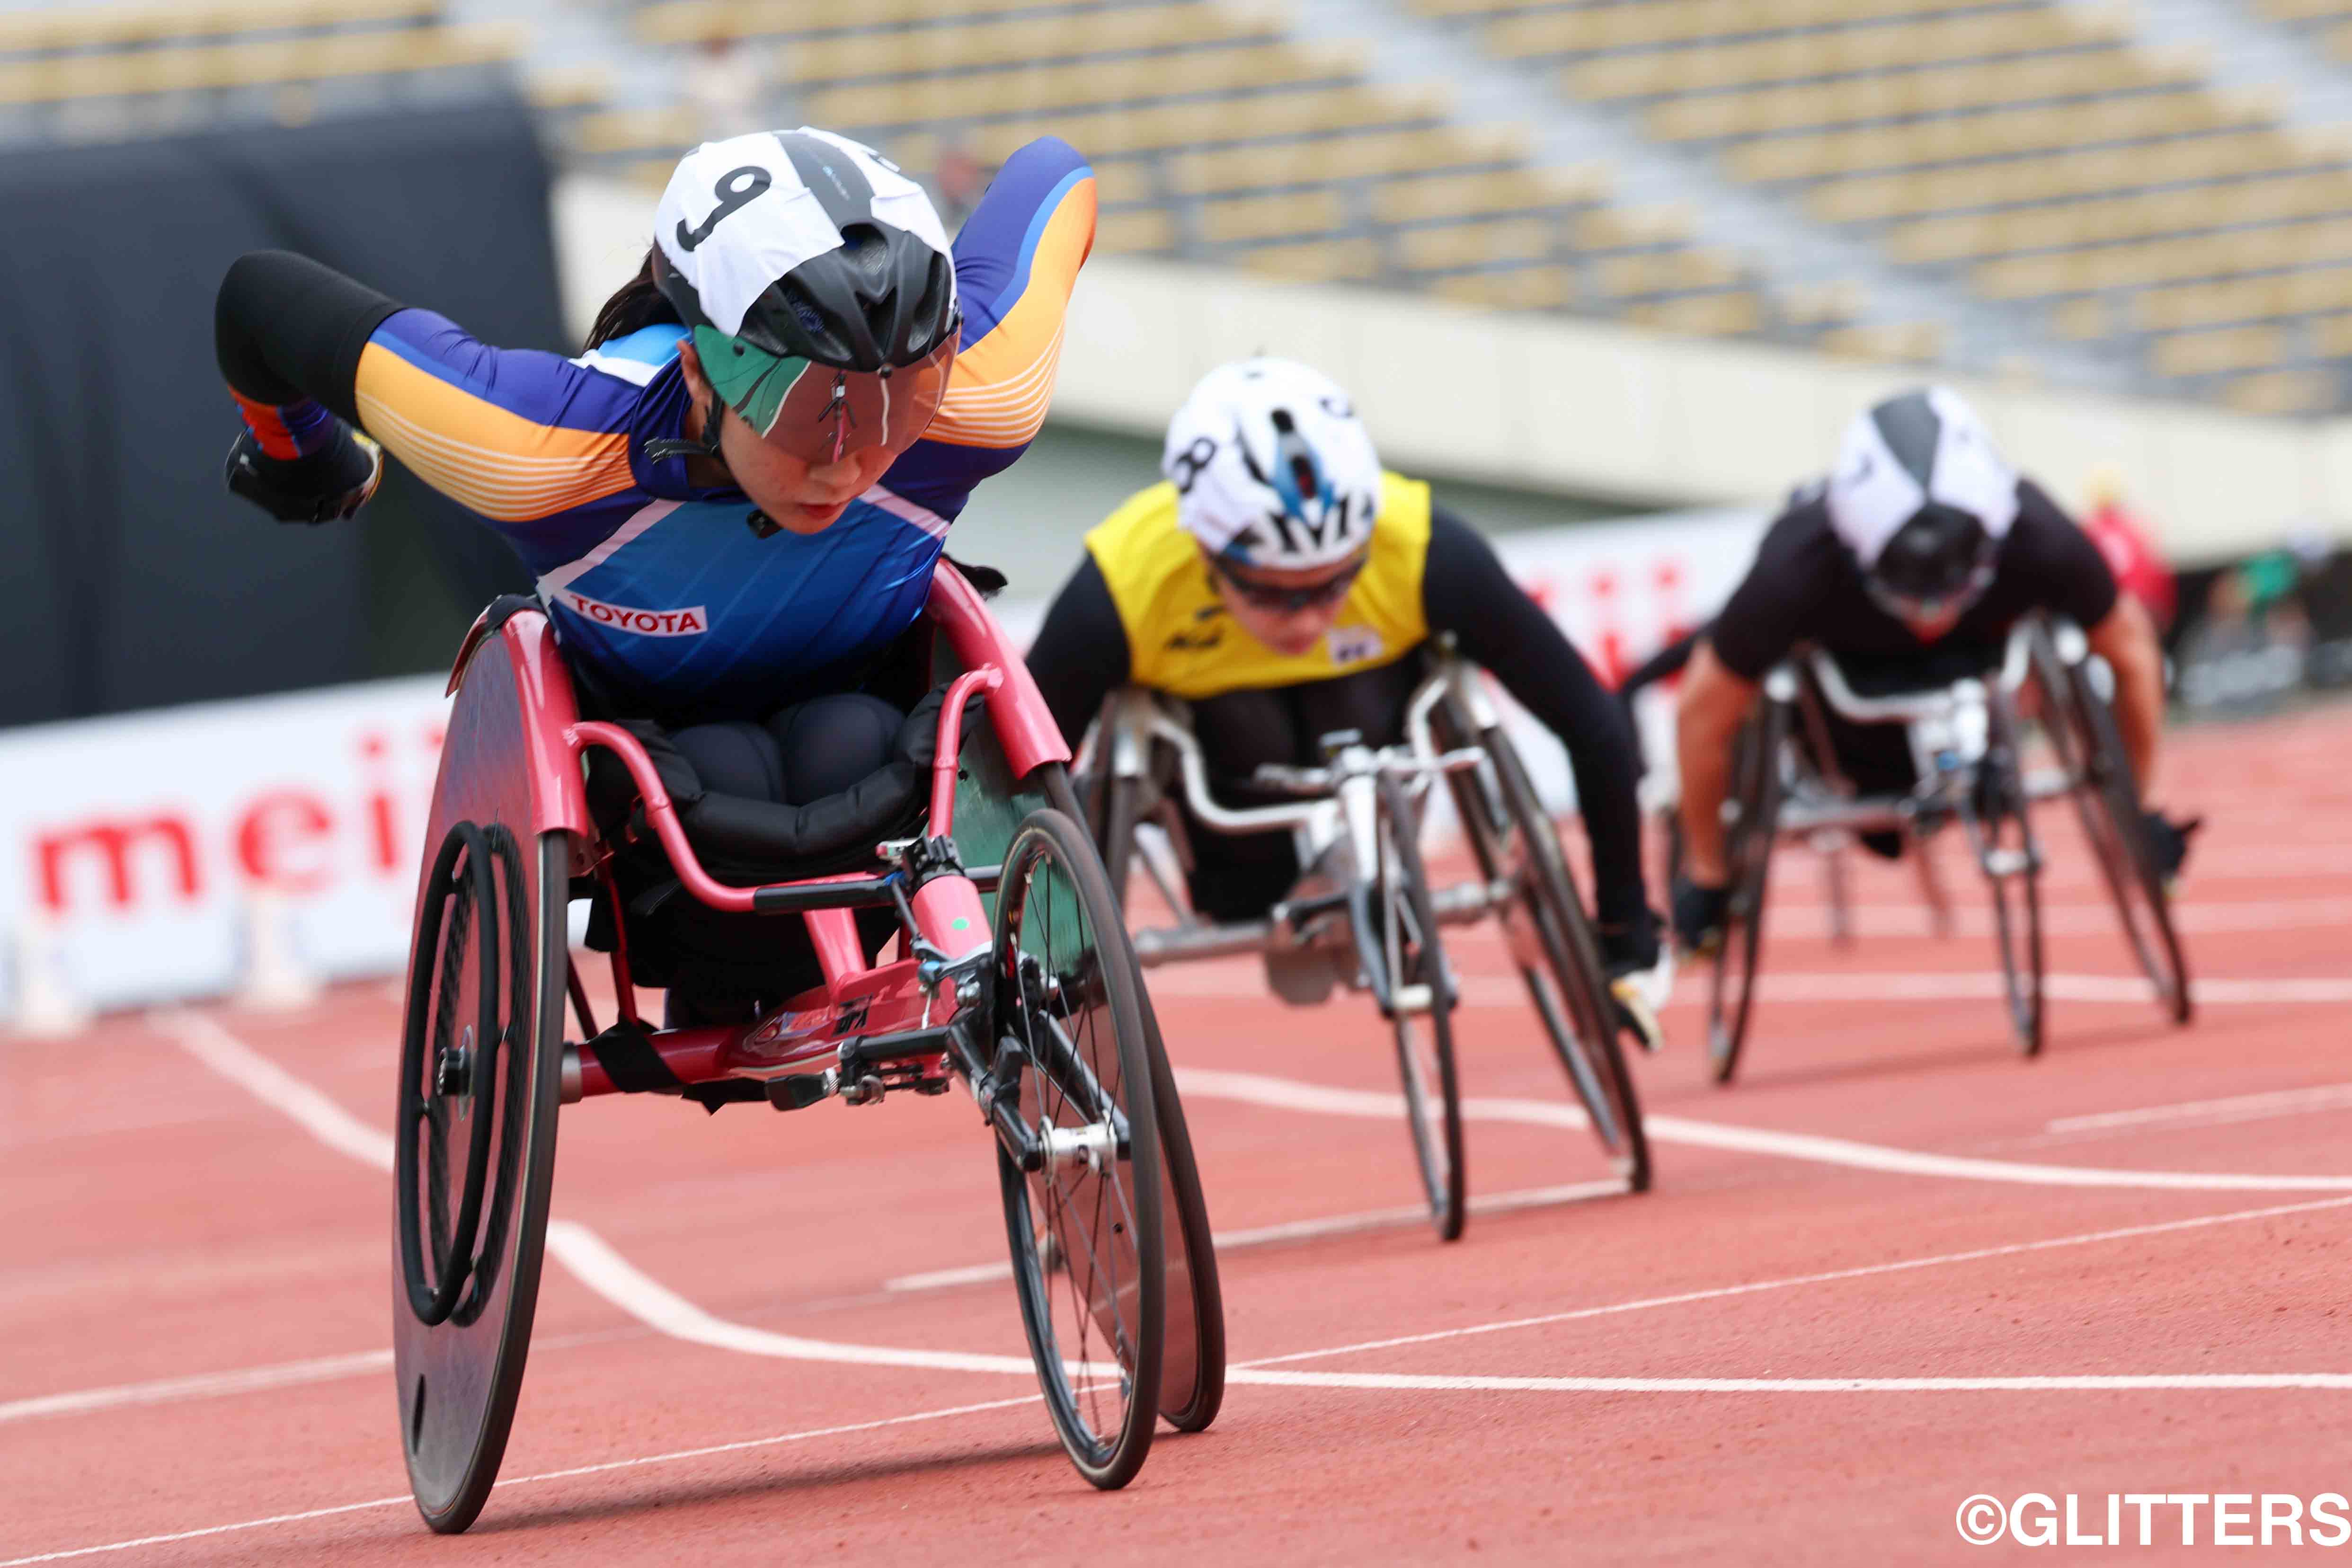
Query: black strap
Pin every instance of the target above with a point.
(627, 1054)
(726, 1091)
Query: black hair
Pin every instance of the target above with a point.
(636, 304)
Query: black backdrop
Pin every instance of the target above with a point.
(130, 577)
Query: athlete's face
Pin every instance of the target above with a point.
(802, 496)
(1289, 610)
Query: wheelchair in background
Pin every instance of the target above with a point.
(1006, 969)
(1366, 915)
(1968, 744)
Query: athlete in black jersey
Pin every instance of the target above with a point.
(1909, 564)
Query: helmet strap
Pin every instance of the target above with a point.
(675, 447)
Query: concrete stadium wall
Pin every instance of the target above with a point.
(1589, 408)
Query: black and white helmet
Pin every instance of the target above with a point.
(818, 284)
(1272, 466)
(1922, 500)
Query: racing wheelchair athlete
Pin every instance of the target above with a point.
(1274, 641)
(1902, 618)
(754, 719)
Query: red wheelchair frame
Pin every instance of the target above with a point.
(963, 997)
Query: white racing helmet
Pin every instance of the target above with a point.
(1272, 468)
(1922, 500)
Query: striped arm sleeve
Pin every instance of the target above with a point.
(1017, 260)
(513, 434)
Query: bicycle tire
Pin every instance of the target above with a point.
(1436, 1131)
(1586, 1041)
(1190, 1400)
(1107, 1224)
(2106, 801)
(2006, 833)
(1731, 981)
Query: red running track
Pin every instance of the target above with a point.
(193, 1299)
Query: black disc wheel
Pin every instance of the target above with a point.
(2000, 832)
(2082, 732)
(1396, 920)
(480, 1080)
(1193, 1361)
(1086, 1225)
(1747, 851)
(1552, 942)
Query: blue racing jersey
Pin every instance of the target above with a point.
(658, 589)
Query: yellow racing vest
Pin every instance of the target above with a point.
(1182, 642)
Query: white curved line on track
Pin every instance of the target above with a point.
(352, 1136)
(632, 1463)
(1288, 1095)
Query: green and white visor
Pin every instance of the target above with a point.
(816, 413)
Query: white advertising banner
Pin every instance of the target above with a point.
(146, 858)
(137, 852)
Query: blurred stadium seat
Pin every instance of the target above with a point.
(2037, 164)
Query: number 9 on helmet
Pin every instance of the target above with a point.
(1272, 466)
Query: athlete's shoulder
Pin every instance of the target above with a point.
(1145, 517)
(638, 356)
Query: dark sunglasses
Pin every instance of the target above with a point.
(1291, 600)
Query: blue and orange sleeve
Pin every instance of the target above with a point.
(1017, 261)
(515, 435)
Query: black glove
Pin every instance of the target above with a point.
(1699, 915)
(2167, 841)
(333, 482)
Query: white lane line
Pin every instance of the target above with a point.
(201, 1385)
(1304, 1229)
(246, 1068)
(2235, 1108)
(1797, 1385)
(545, 1476)
(1283, 1093)
(1247, 983)
(1822, 1277)
(579, 1248)
(632, 1289)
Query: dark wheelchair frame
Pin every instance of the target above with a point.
(1012, 974)
(1967, 743)
(1365, 913)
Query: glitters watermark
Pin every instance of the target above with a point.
(2158, 1518)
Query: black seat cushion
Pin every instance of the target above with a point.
(745, 842)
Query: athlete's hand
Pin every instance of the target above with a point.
(2168, 840)
(333, 482)
(1699, 915)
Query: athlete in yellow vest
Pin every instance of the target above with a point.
(1284, 584)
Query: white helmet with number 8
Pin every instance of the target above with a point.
(1272, 468)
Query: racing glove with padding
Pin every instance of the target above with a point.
(333, 482)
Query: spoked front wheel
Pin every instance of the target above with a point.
(1086, 1225)
(1419, 995)
(2083, 733)
(2001, 833)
